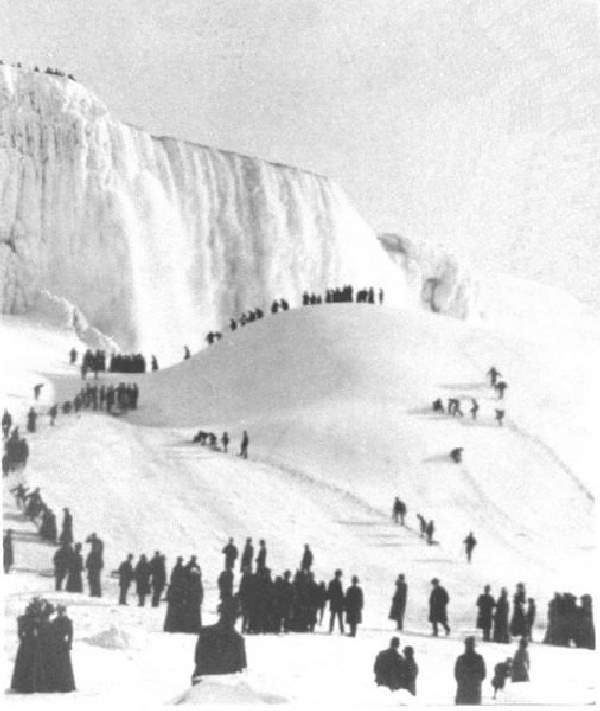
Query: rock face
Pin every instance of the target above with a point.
(157, 240)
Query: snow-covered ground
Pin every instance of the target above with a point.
(336, 400)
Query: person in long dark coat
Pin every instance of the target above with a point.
(174, 621)
(220, 649)
(388, 666)
(158, 577)
(29, 673)
(335, 595)
(247, 557)
(354, 605)
(74, 581)
(142, 579)
(520, 663)
(469, 672)
(501, 618)
(231, 553)
(398, 607)
(244, 445)
(66, 533)
(51, 532)
(94, 564)
(518, 623)
(410, 671)
(8, 550)
(125, 577)
(31, 418)
(438, 602)
(261, 558)
(485, 611)
(225, 583)
(192, 613)
(62, 642)
(307, 559)
(530, 617)
(62, 557)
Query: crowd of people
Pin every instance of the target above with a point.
(210, 440)
(108, 398)
(569, 621)
(43, 661)
(53, 71)
(342, 294)
(247, 317)
(150, 577)
(67, 560)
(127, 363)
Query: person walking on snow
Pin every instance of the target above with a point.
(470, 543)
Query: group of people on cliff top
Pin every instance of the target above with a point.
(48, 70)
(343, 294)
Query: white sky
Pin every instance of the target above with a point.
(395, 99)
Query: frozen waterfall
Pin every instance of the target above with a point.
(157, 240)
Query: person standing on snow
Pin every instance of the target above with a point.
(494, 375)
(354, 605)
(485, 607)
(470, 543)
(438, 603)
(500, 387)
(469, 673)
(244, 445)
(335, 595)
(125, 578)
(398, 607)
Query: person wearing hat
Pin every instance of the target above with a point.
(247, 556)
(354, 605)
(469, 672)
(62, 643)
(335, 595)
(438, 601)
(388, 666)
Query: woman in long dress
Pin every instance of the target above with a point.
(520, 665)
(62, 643)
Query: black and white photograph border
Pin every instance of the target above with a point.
(299, 337)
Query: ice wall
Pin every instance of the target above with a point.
(156, 240)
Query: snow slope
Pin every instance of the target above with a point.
(336, 402)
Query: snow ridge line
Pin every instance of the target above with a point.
(540, 442)
(309, 479)
(554, 456)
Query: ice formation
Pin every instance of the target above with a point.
(443, 282)
(157, 240)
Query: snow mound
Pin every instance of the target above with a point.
(115, 638)
(226, 690)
